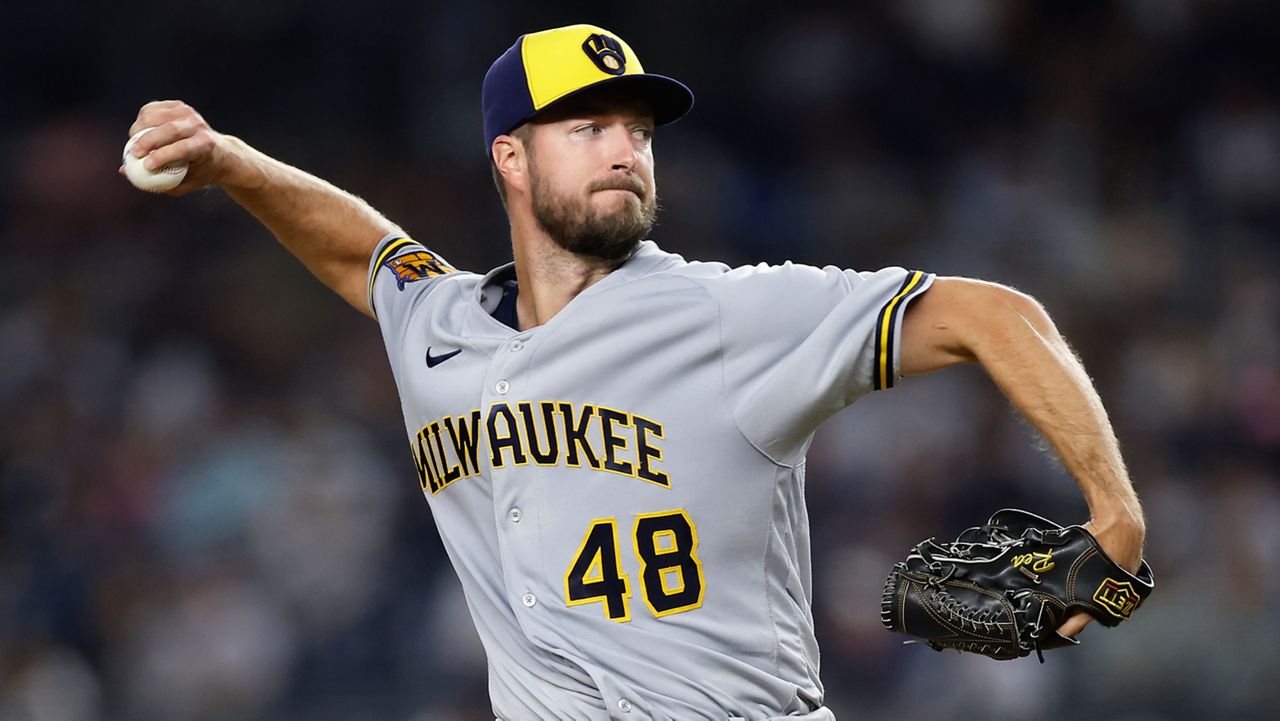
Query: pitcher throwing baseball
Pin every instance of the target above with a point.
(612, 438)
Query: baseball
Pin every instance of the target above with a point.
(152, 181)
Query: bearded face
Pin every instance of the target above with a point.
(589, 222)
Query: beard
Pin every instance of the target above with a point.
(578, 227)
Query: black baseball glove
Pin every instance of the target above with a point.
(1002, 589)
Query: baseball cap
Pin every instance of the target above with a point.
(544, 68)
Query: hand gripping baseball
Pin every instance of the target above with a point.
(179, 134)
(1003, 589)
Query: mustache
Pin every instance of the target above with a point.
(621, 182)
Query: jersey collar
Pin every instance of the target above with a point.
(647, 259)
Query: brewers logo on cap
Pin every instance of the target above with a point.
(606, 53)
(545, 67)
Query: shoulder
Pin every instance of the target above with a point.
(769, 281)
(651, 260)
(713, 273)
(403, 272)
(779, 283)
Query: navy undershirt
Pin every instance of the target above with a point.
(506, 310)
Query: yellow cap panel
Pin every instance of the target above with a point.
(556, 62)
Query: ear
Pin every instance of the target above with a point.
(512, 162)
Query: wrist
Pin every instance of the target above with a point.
(1122, 520)
(237, 166)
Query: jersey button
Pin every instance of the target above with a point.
(624, 705)
(514, 514)
(501, 387)
(529, 600)
(516, 346)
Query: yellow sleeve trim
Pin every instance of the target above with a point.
(884, 335)
(392, 248)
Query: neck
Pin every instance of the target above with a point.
(548, 275)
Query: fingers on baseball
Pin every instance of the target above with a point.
(170, 119)
(148, 114)
(190, 149)
(164, 135)
(156, 112)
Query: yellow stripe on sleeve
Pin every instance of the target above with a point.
(886, 323)
(392, 248)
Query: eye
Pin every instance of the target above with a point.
(588, 129)
(645, 134)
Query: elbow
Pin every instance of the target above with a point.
(1029, 310)
(995, 314)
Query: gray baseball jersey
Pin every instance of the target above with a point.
(621, 490)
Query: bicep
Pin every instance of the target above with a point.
(350, 280)
(952, 322)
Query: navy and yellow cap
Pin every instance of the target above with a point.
(543, 68)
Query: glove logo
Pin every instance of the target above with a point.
(1039, 562)
(606, 53)
(1118, 598)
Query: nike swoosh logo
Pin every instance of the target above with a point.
(435, 360)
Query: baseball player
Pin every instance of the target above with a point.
(612, 438)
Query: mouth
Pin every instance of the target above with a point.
(621, 185)
(625, 191)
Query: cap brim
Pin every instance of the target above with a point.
(669, 99)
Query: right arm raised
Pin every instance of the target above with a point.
(330, 230)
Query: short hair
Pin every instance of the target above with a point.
(523, 133)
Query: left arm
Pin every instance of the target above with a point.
(962, 321)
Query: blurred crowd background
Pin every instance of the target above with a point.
(207, 507)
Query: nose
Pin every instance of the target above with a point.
(622, 150)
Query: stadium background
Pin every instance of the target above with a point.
(207, 508)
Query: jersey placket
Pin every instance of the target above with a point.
(515, 507)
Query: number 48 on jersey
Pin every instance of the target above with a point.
(666, 544)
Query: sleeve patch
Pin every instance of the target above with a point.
(416, 266)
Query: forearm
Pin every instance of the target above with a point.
(330, 230)
(959, 320)
(1029, 360)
